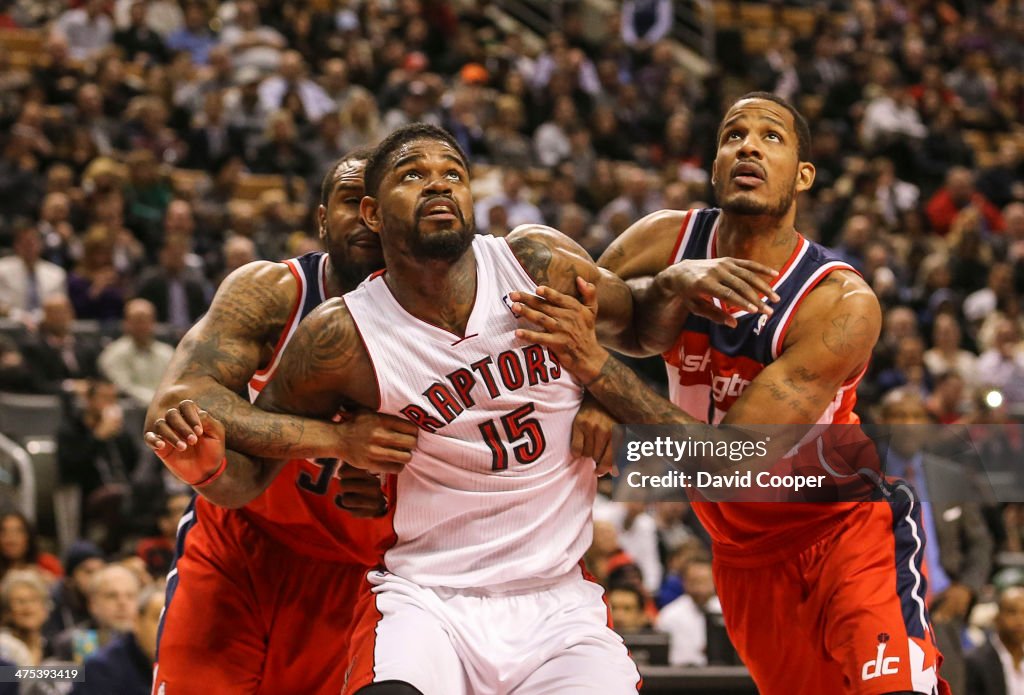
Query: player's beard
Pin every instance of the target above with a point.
(747, 204)
(444, 244)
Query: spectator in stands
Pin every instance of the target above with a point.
(645, 22)
(1002, 365)
(252, 44)
(136, 361)
(25, 603)
(96, 454)
(637, 200)
(282, 153)
(89, 115)
(1003, 182)
(82, 561)
(360, 121)
(685, 618)
(291, 77)
(88, 29)
(26, 280)
(637, 534)
(997, 667)
(514, 198)
(19, 548)
(195, 36)
(138, 39)
(178, 296)
(551, 142)
(238, 250)
(998, 291)
(627, 608)
(56, 230)
(125, 665)
(95, 287)
(946, 355)
(213, 138)
(54, 353)
(416, 106)
(113, 596)
(957, 194)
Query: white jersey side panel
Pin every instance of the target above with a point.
(493, 498)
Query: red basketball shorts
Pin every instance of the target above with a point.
(846, 615)
(247, 614)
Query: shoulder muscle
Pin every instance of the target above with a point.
(644, 248)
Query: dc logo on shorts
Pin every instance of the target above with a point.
(880, 665)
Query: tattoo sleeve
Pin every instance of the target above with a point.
(308, 382)
(215, 360)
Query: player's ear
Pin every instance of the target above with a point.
(369, 210)
(321, 221)
(714, 171)
(805, 176)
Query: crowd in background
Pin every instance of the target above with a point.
(151, 147)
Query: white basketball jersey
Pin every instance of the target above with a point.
(493, 498)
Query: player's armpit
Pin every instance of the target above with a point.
(554, 260)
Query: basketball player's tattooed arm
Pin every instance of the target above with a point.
(554, 260)
(830, 342)
(664, 295)
(323, 367)
(212, 365)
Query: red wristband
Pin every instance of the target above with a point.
(213, 476)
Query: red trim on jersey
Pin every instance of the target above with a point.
(781, 331)
(682, 235)
(801, 244)
(262, 374)
(377, 273)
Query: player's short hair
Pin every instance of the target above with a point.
(381, 158)
(803, 131)
(361, 154)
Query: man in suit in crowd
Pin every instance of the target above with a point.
(25, 279)
(997, 667)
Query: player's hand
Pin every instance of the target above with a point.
(189, 441)
(592, 435)
(376, 443)
(361, 493)
(735, 281)
(568, 327)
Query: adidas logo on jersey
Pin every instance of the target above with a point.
(880, 665)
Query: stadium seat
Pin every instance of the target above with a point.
(26, 415)
(24, 46)
(17, 478)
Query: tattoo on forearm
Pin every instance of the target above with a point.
(629, 400)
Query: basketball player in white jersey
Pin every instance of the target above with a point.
(817, 598)
(481, 589)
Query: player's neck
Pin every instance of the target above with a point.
(766, 240)
(441, 293)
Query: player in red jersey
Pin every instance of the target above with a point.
(817, 598)
(252, 588)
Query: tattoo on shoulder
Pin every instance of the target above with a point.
(322, 346)
(846, 334)
(535, 256)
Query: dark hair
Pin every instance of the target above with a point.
(803, 131)
(330, 178)
(641, 600)
(380, 159)
(31, 548)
